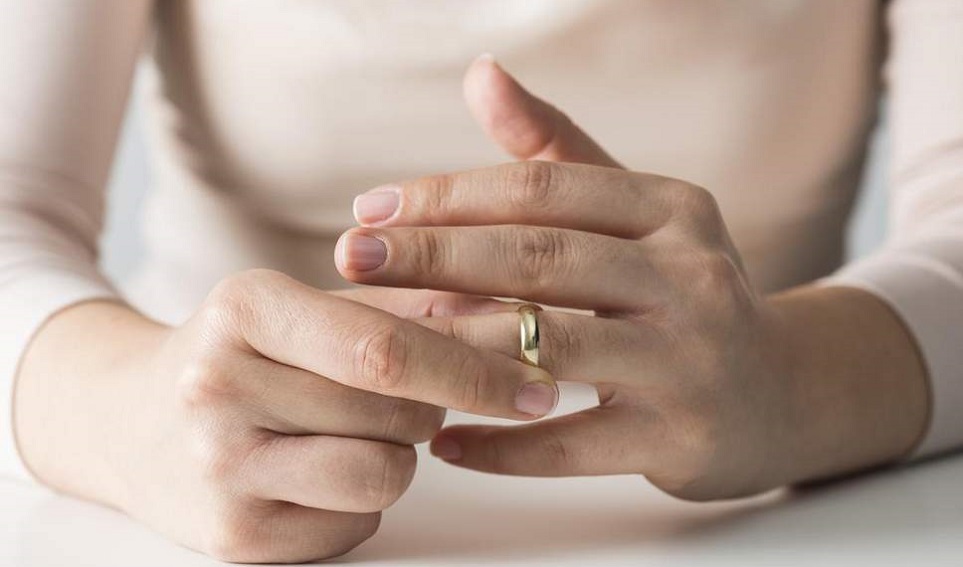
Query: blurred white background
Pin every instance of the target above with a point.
(131, 179)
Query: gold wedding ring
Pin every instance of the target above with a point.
(528, 325)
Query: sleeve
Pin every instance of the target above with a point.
(65, 71)
(919, 271)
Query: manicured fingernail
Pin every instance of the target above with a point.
(377, 205)
(362, 253)
(536, 398)
(445, 448)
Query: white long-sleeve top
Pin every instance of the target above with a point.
(268, 116)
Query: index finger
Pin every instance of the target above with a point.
(366, 348)
(596, 199)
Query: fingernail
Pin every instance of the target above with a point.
(377, 205)
(536, 398)
(362, 253)
(445, 448)
(486, 57)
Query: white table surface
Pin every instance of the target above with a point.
(909, 516)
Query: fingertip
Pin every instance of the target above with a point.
(519, 122)
(461, 443)
(339, 255)
(537, 399)
(485, 62)
(486, 58)
(445, 448)
(378, 206)
(486, 85)
(359, 251)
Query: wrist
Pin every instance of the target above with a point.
(74, 394)
(857, 391)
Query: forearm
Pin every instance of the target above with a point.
(860, 392)
(74, 394)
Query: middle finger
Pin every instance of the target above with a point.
(554, 266)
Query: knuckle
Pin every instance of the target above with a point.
(699, 436)
(396, 420)
(712, 274)
(236, 538)
(412, 422)
(473, 384)
(381, 359)
(262, 277)
(396, 468)
(541, 256)
(430, 422)
(241, 533)
(698, 209)
(236, 288)
(426, 253)
(556, 452)
(216, 446)
(368, 526)
(563, 340)
(205, 384)
(530, 183)
(435, 193)
(218, 461)
(697, 441)
(694, 200)
(232, 300)
(356, 529)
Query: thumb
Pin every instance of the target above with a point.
(523, 124)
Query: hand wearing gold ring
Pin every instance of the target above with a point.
(699, 384)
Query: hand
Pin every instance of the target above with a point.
(697, 389)
(274, 425)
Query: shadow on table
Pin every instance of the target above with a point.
(892, 503)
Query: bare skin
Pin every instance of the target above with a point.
(223, 433)
(707, 388)
(274, 426)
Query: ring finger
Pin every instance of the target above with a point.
(575, 348)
